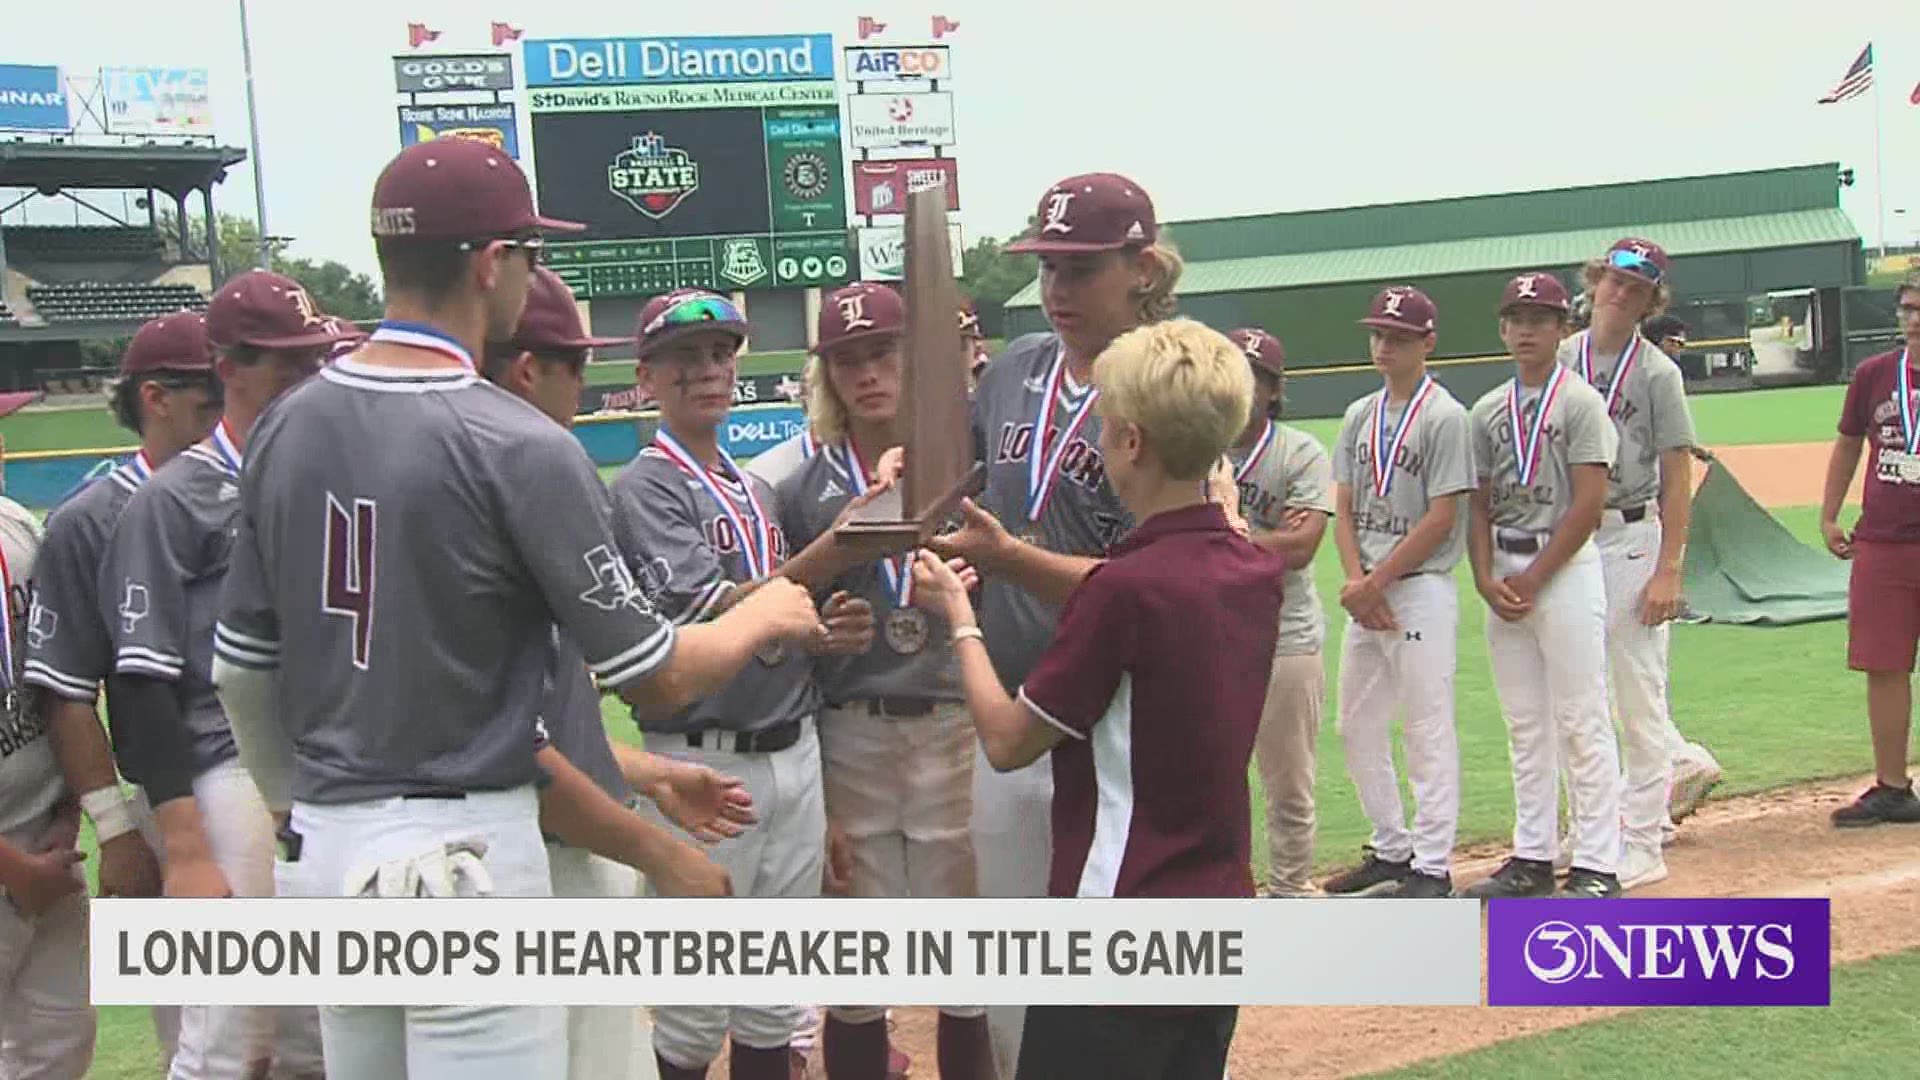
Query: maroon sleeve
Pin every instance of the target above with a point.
(1074, 681)
(1856, 414)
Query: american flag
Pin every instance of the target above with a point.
(1858, 79)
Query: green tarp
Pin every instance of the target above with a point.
(1744, 567)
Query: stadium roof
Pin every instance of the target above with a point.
(1767, 209)
(177, 170)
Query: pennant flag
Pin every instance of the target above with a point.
(1915, 96)
(870, 26)
(502, 33)
(942, 26)
(1858, 79)
(418, 35)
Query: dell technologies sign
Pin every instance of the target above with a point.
(1659, 952)
(656, 61)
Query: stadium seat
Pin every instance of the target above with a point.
(111, 301)
(83, 243)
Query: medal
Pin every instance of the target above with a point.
(896, 573)
(1903, 396)
(421, 336)
(1044, 457)
(756, 546)
(1260, 448)
(906, 630)
(1526, 444)
(1620, 370)
(1386, 448)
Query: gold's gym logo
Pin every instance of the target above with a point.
(653, 177)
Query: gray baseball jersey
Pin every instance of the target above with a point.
(160, 588)
(30, 778)
(783, 458)
(69, 651)
(407, 540)
(1435, 459)
(1082, 515)
(1576, 433)
(1649, 412)
(687, 555)
(1292, 472)
(571, 718)
(912, 654)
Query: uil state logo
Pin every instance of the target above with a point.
(805, 175)
(653, 177)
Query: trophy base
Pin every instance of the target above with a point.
(882, 517)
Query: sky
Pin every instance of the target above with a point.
(1215, 108)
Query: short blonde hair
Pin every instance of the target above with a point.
(1184, 385)
(1157, 301)
(1662, 292)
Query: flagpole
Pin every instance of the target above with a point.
(1879, 189)
(253, 125)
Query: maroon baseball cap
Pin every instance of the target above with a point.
(551, 319)
(1536, 288)
(675, 315)
(456, 189)
(860, 310)
(1262, 349)
(1643, 259)
(176, 342)
(1093, 212)
(269, 311)
(1401, 307)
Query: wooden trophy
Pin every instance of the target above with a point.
(935, 431)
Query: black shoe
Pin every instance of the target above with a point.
(1880, 804)
(1516, 877)
(1589, 885)
(1418, 886)
(1373, 875)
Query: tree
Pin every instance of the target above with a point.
(337, 288)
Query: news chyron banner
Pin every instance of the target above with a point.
(703, 161)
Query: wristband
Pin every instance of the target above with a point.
(110, 811)
(961, 633)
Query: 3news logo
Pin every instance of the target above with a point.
(1659, 952)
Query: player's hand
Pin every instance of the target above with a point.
(891, 466)
(1839, 541)
(687, 873)
(1366, 601)
(196, 879)
(128, 867)
(710, 805)
(44, 878)
(1222, 489)
(786, 610)
(1503, 601)
(1660, 601)
(940, 588)
(63, 832)
(836, 873)
(849, 622)
(1525, 584)
(981, 539)
(969, 577)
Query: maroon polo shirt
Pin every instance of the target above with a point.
(1157, 675)
(1890, 510)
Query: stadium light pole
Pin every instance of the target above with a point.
(263, 254)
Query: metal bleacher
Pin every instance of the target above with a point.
(84, 243)
(91, 301)
(7, 317)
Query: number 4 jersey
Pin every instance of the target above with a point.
(407, 540)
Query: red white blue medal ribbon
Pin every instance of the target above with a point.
(897, 573)
(6, 623)
(421, 336)
(1260, 448)
(140, 468)
(225, 446)
(1387, 447)
(1526, 442)
(1903, 393)
(808, 446)
(756, 546)
(1043, 468)
(1620, 370)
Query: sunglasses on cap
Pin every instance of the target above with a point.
(694, 309)
(1634, 263)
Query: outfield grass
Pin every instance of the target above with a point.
(63, 429)
(1865, 1032)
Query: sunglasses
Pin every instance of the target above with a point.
(534, 246)
(1635, 263)
(694, 310)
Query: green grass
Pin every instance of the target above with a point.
(1865, 1031)
(1796, 414)
(63, 429)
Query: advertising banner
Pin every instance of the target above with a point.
(882, 187)
(803, 169)
(900, 63)
(493, 124)
(32, 98)
(883, 251)
(653, 61)
(437, 74)
(883, 121)
(158, 101)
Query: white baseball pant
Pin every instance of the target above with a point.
(1550, 672)
(220, 1041)
(1286, 748)
(1409, 670)
(1012, 827)
(782, 856)
(1637, 675)
(601, 1040)
(462, 1042)
(47, 1022)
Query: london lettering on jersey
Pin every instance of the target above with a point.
(1406, 459)
(1081, 464)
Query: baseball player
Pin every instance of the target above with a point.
(1401, 467)
(896, 743)
(702, 534)
(1048, 514)
(46, 1018)
(1882, 410)
(160, 585)
(1284, 483)
(1542, 446)
(1642, 539)
(449, 527)
(785, 457)
(168, 396)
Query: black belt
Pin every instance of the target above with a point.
(767, 741)
(900, 708)
(1517, 545)
(1402, 577)
(448, 795)
(1632, 514)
